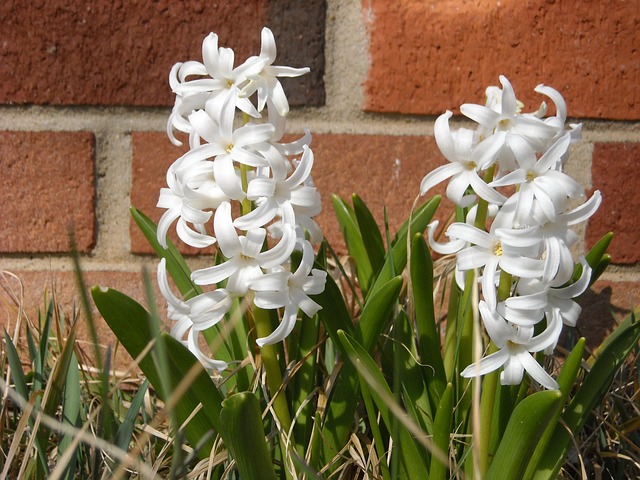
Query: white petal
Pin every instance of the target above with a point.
(283, 330)
(444, 138)
(486, 365)
(438, 175)
(225, 232)
(470, 234)
(535, 370)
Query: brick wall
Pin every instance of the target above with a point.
(84, 100)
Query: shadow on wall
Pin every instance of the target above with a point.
(601, 312)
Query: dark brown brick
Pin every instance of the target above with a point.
(120, 53)
(299, 28)
(427, 57)
(613, 172)
(46, 189)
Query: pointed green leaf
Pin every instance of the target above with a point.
(17, 374)
(376, 313)
(420, 218)
(442, 432)
(599, 269)
(241, 420)
(130, 323)
(334, 314)
(591, 391)
(353, 239)
(421, 269)
(125, 431)
(527, 423)
(598, 250)
(370, 233)
(369, 372)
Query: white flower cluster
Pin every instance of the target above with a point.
(529, 239)
(239, 188)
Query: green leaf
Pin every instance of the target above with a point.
(377, 312)
(121, 313)
(17, 374)
(241, 420)
(409, 375)
(421, 270)
(598, 250)
(56, 383)
(44, 334)
(599, 269)
(591, 391)
(442, 433)
(334, 314)
(70, 414)
(566, 379)
(305, 380)
(176, 266)
(354, 241)
(420, 218)
(527, 423)
(370, 233)
(369, 372)
(125, 431)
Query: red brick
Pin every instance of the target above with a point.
(46, 188)
(427, 57)
(120, 53)
(366, 165)
(153, 154)
(613, 172)
(344, 164)
(63, 286)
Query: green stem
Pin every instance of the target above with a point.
(483, 205)
(269, 355)
(246, 203)
(489, 388)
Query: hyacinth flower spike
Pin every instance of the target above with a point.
(282, 288)
(467, 158)
(194, 315)
(515, 343)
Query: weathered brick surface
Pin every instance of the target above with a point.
(383, 170)
(153, 154)
(427, 57)
(120, 53)
(614, 174)
(46, 188)
(63, 285)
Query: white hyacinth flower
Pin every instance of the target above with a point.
(515, 343)
(258, 192)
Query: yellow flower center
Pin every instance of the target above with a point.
(230, 147)
(230, 83)
(531, 176)
(497, 249)
(471, 165)
(504, 124)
